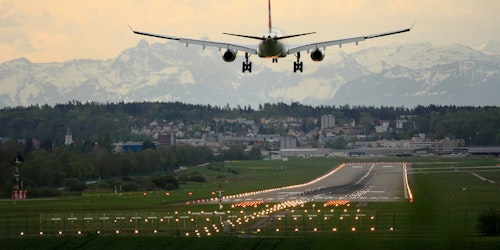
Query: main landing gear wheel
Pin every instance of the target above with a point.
(247, 66)
(298, 65)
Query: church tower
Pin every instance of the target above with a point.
(68, 138)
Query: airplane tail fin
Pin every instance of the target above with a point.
(270, 23)
(270, 30)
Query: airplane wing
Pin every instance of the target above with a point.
(203, 43)
(342, 41)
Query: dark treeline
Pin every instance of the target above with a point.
(63, 166)
(96, 122)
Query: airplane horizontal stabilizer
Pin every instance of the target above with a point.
(251, 37)
(264, 38)
(290, 36)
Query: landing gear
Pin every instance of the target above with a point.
(247, 66)
(298, 65)
(275, 60)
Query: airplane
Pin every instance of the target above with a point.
(271, 45)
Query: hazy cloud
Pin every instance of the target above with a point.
(53, 30)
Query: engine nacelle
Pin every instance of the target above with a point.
(229, 55)
(317, 55)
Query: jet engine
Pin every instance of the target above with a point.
(229, 55)
(317, 55)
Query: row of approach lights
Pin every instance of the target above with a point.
(288, 204)
(239, 221)
(246, 218)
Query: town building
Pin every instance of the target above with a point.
(288, 142)
(327, 121)
(166, 139)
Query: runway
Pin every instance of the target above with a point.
(355, 182)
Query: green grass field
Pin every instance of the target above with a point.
(443, 215)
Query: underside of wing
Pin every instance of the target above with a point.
(339, 42)
(325, 44)
(219, 45)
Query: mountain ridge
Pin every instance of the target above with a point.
(402, 74)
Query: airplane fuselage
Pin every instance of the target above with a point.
(271, 48)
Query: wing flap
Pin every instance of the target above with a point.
(325, 44)
(218, 45)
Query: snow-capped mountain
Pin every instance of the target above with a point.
(395, 75)
(490, 47)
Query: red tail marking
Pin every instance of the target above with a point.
(270, 25)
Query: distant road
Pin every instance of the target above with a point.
(359, 182)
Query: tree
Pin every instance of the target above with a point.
(166, 182)
(104, 141)
(488, 222)
(233, 153)
(47, 144)
(148, 144)
(254, 153)
(29, 145)
(339, 143)
(74, 185)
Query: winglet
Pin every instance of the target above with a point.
(413, 25)
(130, 27)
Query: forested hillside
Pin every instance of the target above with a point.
(53, 164)
(101, 122)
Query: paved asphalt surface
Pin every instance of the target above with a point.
(356, 182)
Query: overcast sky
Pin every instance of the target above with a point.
(56, 30)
